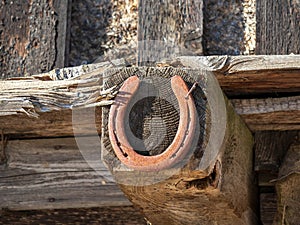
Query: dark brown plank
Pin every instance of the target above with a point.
(271, 147)
(125, 215)
(278, 27)
(288, 187)
(33, 36)
(268, 205)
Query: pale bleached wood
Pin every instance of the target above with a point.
(269, 113)
(52, 173)
(241, 64)
(58, 89)
(249, 75)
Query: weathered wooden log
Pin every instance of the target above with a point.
(178, 167)
(288, 188)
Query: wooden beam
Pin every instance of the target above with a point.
(201, 188)
(268, 206)
(100, 215)
(51, 124)
(271, 147)
(52, 173)
(55, 95)
(251, 75)
(60, 124)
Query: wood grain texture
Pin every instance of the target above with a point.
(32, 36)
(209, 199)
(278, 29)
(63, 10)
(52, 124)
(268, 205)
(288, 187)
(52, 173)
(169, 28)
(203, 188)
(277, 32)
(270, 113)
(271, 147)
(59, 123)
(122, 215)
(251, 75)
(50, 100)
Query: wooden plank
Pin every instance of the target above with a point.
(268, 204)
(101, 216)
(169, 28)
(32, 36)
(278, 29)
(251, 75)
(52, 173)
(271, 147)
(51, 124)
(63, 10)
(60, 124)
(270, 113)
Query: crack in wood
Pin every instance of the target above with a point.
(3, 154)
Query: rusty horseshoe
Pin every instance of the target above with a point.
(183, 139)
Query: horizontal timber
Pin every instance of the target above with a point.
(41, 106)
(52, 173)
(252, 75)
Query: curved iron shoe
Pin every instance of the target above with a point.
(183, 139)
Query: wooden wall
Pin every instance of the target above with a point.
(278, 32)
